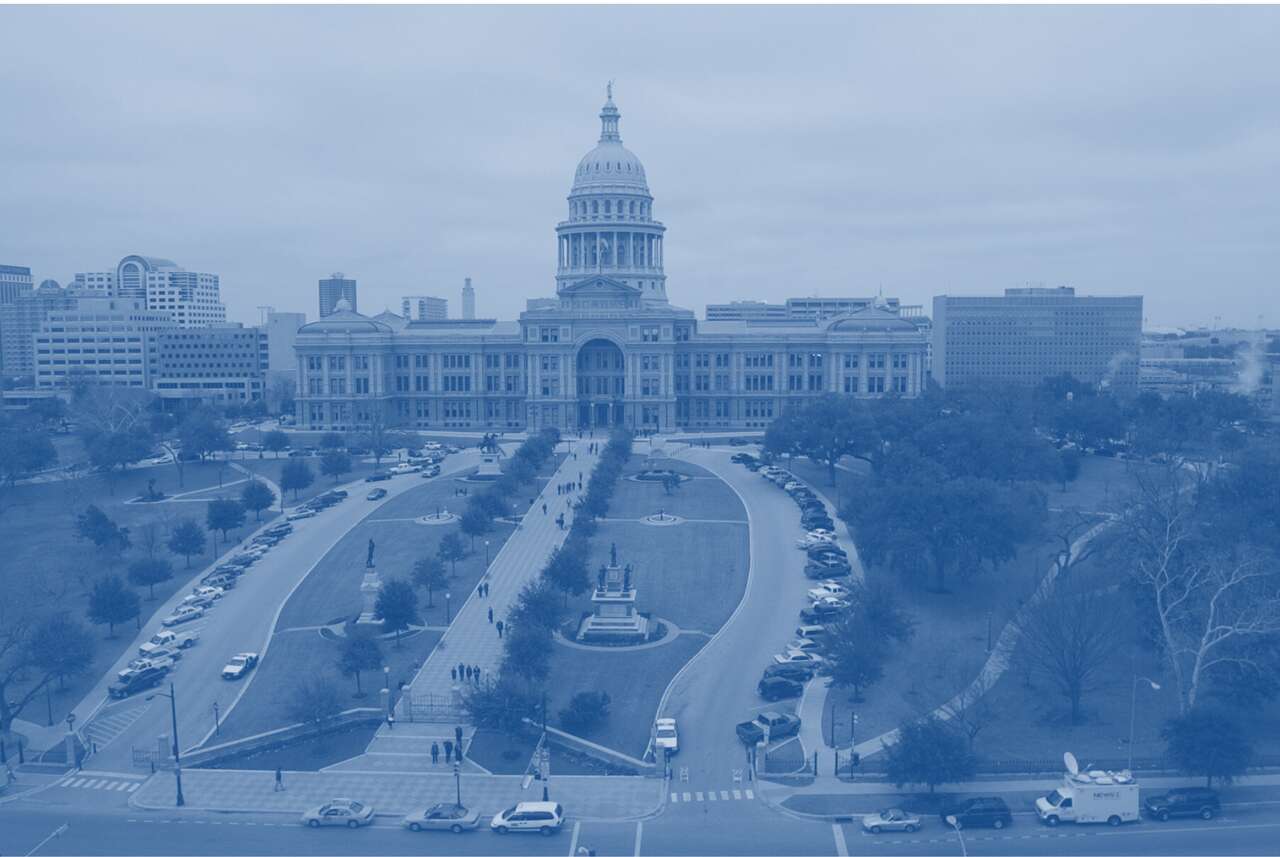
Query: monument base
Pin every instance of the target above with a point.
(633, 628)
(367, 619)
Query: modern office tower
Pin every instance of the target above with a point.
(1030, 334)
(191, 298)
(282, 331)
(468, 300)
(107, 340)
(19, 322)
(607, 349)
(220, 364)
(334, 288)
(14, 280)
(424, 308)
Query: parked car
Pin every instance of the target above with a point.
(284, 527)
(203, 600)
(818, 520)
(774, 688)
(742, 457)
(827, 589)
(777, 724)
(401, 469)
(431, 471)
(340, 812)
(221, 579)
(819, 571)
(376, 494)
(443, 816)
(795, 672)
(979, 812)
(168, 640)
(825, 548)
(160, 660)
(182, 615)
(299, 514)
(795, 656)
(821, 612)
(543, 817)
(830, 603)
(738, 441)
(240, 666)
(894, 819)
(665, 736)
(379, 476)
(1183, 803)
(143, 679)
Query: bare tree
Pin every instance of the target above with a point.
(1068, 529)
(958, 690)
(1068, 638)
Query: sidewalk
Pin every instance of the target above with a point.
(613, 798)
(472, 639)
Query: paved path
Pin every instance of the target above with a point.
(471, 638)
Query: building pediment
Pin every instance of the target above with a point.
(599, 286)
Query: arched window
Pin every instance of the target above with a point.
(595, 207)
(607, 209)
(633, 207)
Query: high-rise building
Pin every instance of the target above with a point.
(1030, 334)
(192, 299)
(14, 280)
(334, 288)
(424, 308)
(19, 322)
(282, 331)
(224, 363)
(468, 300)
(107, 340)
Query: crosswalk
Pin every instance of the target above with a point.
(111, 721)
(115, 782)
(713, 795)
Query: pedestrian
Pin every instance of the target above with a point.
(486, 589)
(279, 787)
(490, 615)
(460, 666)
(476, 673)
(453, 674)
(9, 776)
(448, 751)
(435, 752)
(544, 508)
(499, 629)
(468, 673)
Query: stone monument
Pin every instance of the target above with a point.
(369, 589)
(613, 604)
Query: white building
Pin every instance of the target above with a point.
(107, 340)
(190, 298)
(424, 308)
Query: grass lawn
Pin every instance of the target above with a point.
(692, 574)
(310, 754)
(331, 593)
(42, 549)
(270, 468)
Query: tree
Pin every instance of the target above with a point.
(257, 496)
(501, 706)
(1068, 466)
(93, 525)
(61, 647)
(1208, 742)
(451, 550)
(491, 504)
(670, 483)
(335, 463)
(474, 523)
(331, 440)
(224, 515)
(567, 570)
(111, 602)
(965, 686)
(527, 654)
(856, 656)
(296, 475)
(825, 431)
(357, 654)
(929, 753)
(116, 450)
(187, 538)
(429, 574)
(148, 572)
(202, 433)
(397, 606)
(275, 441)
(876, 608)
(537, 606)
(24, 451)
(315, 701)
(1069, 638)
(587, 710)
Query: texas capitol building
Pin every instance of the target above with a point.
(607, 350)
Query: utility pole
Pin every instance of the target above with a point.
(173, 714)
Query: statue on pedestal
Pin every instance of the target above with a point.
(626, 579)
(370, 586)
(600, 579)
(613, 554)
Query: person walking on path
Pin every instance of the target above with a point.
(490, 615)
(279, 786)
(435, 752)
(544, 508)
(499, 629)
(448, 751)
(453, 674)
(486, 590)
(467, 674)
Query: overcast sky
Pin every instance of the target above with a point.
(816, 151)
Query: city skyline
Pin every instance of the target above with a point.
(852, 173)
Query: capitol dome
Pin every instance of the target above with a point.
(610, 165)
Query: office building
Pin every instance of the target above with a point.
(14, 280)
(19, 322)
(334, 288)
(104, 340)
(282, 332)
(221, 364)
(608, 350)
(424, 308)
(804, 309)
(191, 298)
(1030, 334)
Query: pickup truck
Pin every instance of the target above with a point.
(778, 725)
(168, 640)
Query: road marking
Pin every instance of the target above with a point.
(750, 795)
(697, 795)
(737, 794)
(842, 850)
(573, 843)
(711, 795)
(687, 797)
(724, 795)
(639, 833)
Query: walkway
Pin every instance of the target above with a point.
(471, 638)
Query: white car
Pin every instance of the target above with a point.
(665, 736)
(181, 615)
(401, 469)
(214, 592)
(542, 817)
(240, 665)
(795, 656)
(809, 540)
(828, 589)
(299, 514)
(828, 602)
(803, 644)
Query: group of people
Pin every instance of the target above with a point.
(569, 487)
(465, 672)
(448, 752)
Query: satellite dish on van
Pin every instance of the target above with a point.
(1069, 759)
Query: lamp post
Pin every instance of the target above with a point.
(447, 614)
(173, 714)
(955, 823)
(1133, 710)
(486, 553)
(386, 678)
(988, 632)
(216, 728)
(457, 782)
(546, 753)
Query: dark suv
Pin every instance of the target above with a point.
(1181, 803)
(143, 679)
(979, 812)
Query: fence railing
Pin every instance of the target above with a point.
(876, 765)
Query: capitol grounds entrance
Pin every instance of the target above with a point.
(601, 385)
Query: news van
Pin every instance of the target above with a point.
(1090, 797)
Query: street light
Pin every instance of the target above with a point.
(386, 677)
(486, 553)
(1133, 710)
(215, 718)
(545, 751)
(457, 782)
(173, 713)
(955, 822)
(447, 614)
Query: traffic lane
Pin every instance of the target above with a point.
(243, 620)
(733, 828)
(719, 687)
